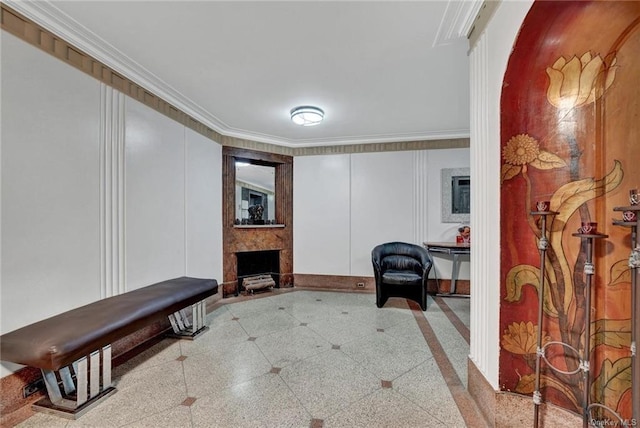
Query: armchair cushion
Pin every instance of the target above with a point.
(401, 278)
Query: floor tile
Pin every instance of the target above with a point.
(220, 334)
(39, 420)
(407, 331)
(285, 347)
(328, 382)
(140, 394)
(264, 401)
(311, 311)
(383, 409)
(380, 317)
(210, 372)
(179, 416)
(269, 322)
(338, 330)
(425, 387)
(166, 350)
(386, 356)
(249, 308)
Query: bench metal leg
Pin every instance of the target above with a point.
(183, 328)
(84, 383)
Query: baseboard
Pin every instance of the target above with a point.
(350, 283)
(463, 286)
(481, 392)
(503, 409)
(335, 282)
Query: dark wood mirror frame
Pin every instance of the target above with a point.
(242, 239)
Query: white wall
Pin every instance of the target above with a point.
(488, 61)
(155, 196)
(346, 204)
(50, 158)
(203, 207)
(100, 194)
(382, 200)
(322, 214)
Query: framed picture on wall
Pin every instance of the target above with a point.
(456, 195)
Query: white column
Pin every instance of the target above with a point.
(112, 243)
(488, 61)
(485, 216)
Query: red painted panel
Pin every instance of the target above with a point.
(570, 134)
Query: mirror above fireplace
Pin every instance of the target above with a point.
(255, 193)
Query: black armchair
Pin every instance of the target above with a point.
(401, 270)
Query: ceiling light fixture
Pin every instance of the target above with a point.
(307, 115)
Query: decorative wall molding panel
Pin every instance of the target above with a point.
(112, 190)
(421, 196)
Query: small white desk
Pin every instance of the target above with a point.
(453, 249)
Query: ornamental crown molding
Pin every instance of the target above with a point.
(45, 14)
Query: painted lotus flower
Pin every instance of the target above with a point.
(522, 150)
(579, 81)
(521, 338)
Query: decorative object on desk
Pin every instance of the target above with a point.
(465, 235)
(588, 227)
(542, 206)
(634, 197)
(629, 216)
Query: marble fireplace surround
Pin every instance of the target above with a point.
(245, 239)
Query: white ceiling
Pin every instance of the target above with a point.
(381, 71)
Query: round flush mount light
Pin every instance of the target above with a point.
(307, 115)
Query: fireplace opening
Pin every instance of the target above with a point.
(255, 264)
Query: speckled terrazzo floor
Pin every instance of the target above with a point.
(300, 358)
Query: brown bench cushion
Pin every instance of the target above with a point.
(58, 341)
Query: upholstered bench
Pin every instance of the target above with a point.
(73, 349)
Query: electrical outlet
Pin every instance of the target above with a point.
(360, 285)
(32, 388)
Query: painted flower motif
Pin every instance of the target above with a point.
(521, 338)
(579, 81)
(522, 150)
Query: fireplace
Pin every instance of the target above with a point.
(252, 263)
